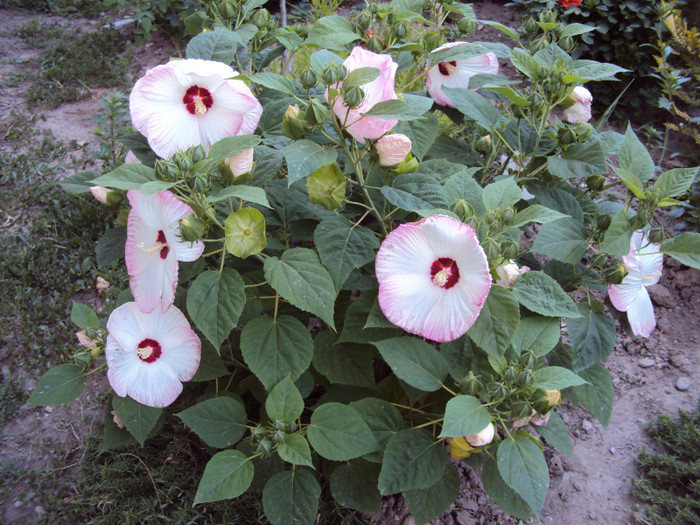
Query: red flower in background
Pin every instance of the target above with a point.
(570, 3)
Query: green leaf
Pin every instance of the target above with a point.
(215, 302)
(474, 106)
(323, 58)
(618, 235)
(288, 38)
(138, 419)
(502, 494)
(360, 77)
(211, 365)
(126, 177)
(343, 246)
(332, 32)
(275, 82)
(462, 185)
(537, 333)
(426, 504)
(578, 161)
(228, 474)
(219, 45)
(559, 200)
(291, 498)
(354, 485)
(415, 192)
(275, 348)
(345, 364)
(685, 248)
(300, 279)
(525, 63)
(464, 415)
(585, 70)
(58, 386)
(597, 396)
(592, 335)
(556, 435)
(497, 321)
(575, 29)
(337, 432)
(500, 27)
(675, 182)
(522, 466)
(219, 421)
(634, 157)
(284, 402)
(467, 50)
(555, 378)
(83, 316)
(422, 133)
(412, 460)
(541, 294)
(240, 191)
(78, 183)
(393, 109)
(304, 157)
(354, 330)
(504, 192)
(383, 418)
(632, 182)
(563, 240)
(295, 450)
(414, 361)
(110, 247)
(230, 146)
(535, 213)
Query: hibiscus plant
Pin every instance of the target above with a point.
(361, 249)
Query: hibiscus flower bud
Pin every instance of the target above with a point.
(566, 136)
(353, 97)
(595, 182)
(567, 44)
(236, 169)
(616, 273)
(603, 222)
(467, 25)
(463, 210)
(265, 447)
(278, 436)
(192, 229)
(470, 384)
(580, 111)
(509, 272)
(407, 165)
(326, 187)
(400, 30)
(294, 125)
(308, 79)
(553, 397)
(375, 44)
(530, 27)
(105, 195)
(363, 20)
(84, 340)
(261, 18)
(484, 145)
(482, 438)
(392, 149)
(583, 131)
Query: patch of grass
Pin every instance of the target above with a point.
(36, 34)
(87, 8)
(47, 239)
(12, 396)
(76, 63)
(670, 482)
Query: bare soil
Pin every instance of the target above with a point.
(591, 487)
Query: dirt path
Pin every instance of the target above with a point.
(591, 487)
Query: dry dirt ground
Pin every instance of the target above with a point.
(651, 376)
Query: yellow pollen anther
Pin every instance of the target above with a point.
(440, 278)
(145, 352)
(152, 248)
(200, 108)
(451, 68)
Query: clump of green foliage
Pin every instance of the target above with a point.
(670, 482)
(153, 15)
(88, 8)
(74, 63)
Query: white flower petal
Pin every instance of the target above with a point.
(155, 385)
(123, 366)
(623, 294)
(172, 129)
(640, 314)
(407, 300)
(159, 88)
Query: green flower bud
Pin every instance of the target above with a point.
(470, 384)
(530, 27)
(237, 169)
(583, 131)
(499, 391)
(278, 436)
(201, 183)
(330, 75)
(566, 136)
(227, 9)
(198, 154)
(432, 41)
(400, 30)
(315, 113)
(375, 44)
(353, 97)
(463, 210)
(245, 232)
(279, 424)
(192, 228)
(294, 125)
(616, 273)
(363, 20)
(484, 145)
(548, 16)
(408, 165)
(261, 18)
(567, 44)
(342, 72)
(265, 447)
(603, 222)
(184, 162)
(525, 378)
(308, 79)
(492, 248)
(292, 427)
(326, 186)
(272, 25)
(595, 182)
(527, 360)
(259, 432)
(510, 250)
(507, 215)
(466, 25)
(510, 373)
(656, 235)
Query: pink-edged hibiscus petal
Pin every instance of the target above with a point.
(623, 294)
(153, 247)
(150, 354)
(640, 314)
(433, 277)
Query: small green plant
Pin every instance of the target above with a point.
(669, 486)
(154, 15)
(112, 125)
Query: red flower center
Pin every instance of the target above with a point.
(149, 350)
(447, 68)
(444, 272)
(197, 100)
(164, 242)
